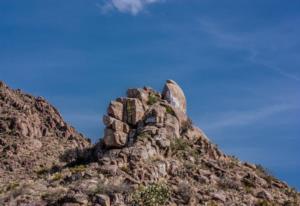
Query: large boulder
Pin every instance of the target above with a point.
(134, 111)
(114, 138)
(174, 95)
(115, 109)
(138, 93)
(155, 115)
(115, 124)
(172, 126)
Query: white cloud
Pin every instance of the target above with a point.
(126, 6)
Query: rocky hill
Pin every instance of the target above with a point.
(151, 154)
(33, 135)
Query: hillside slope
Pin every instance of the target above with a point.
(33, 135)
(151, 154)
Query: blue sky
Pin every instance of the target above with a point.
(237, 61)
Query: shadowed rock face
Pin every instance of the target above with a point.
(151, 154)
(174, 95)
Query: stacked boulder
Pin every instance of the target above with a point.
(143, 106)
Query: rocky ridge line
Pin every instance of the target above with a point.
(151, 154)
(33, 135)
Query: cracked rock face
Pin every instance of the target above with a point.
(144, 106)
(174, 95)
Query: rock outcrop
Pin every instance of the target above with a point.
(151, 154)
(174, 95)
(33, 135)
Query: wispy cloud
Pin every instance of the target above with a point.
(267, 47)
(242, 118)
(126, 6)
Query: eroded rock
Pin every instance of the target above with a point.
(115, 110)
(114, 138)
(174, 95)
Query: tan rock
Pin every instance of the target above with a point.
(115, 110)
(114, 138)
(174, 95)
(134, 111)
(172, 126)
(219, 196)
(263, 194)
(115, 124)
(139, 93)
(155, 115)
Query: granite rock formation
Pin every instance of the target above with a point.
(151, 154)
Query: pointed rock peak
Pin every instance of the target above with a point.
(174, 95)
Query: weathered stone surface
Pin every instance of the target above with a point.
(114, 138)
(103, 199)
(219, 196)
(174, 95)
(151, 130)
(161, 138)
(134, 111)
(115, 109)
(263, 194)
(195, 132)
(138, 93)
(115, 124)
(155, 115)
(172, 126)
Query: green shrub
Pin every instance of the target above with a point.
(264, 203)
(169, 110)
(268, 176)
(42, 171)
(125, 168)
(248, 189)
(57, 176)
(151, 195)
(212, 203)
(12, 186)
(181, 148)
(179, 144)
(263, 170)
(103, 188)
(152, 99)
(77, 169)
(144, 136)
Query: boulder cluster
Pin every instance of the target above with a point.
(144, 107)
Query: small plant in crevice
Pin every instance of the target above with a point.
(143, 136)
(169, 110)
(151, 195)
(179, 144)
(57, 176)
(264, 203)
(152, 99)
(77, 169)
(42, 171)
(268, 176)
(12, 186)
